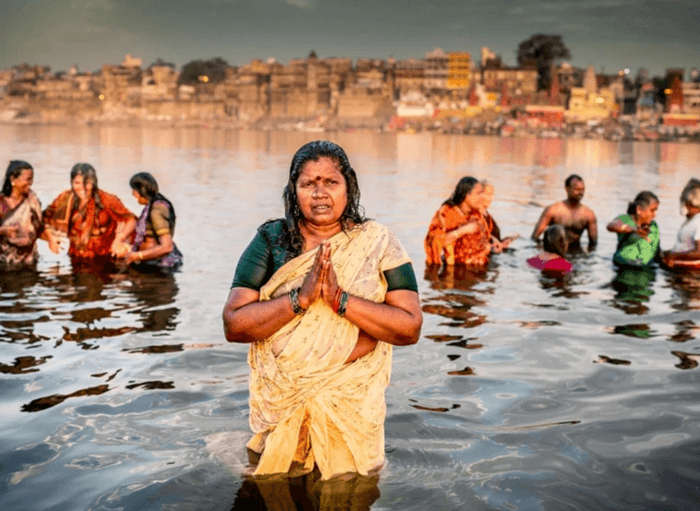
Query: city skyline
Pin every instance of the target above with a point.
(609, 34)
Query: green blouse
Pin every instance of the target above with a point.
(269, 251)
(633, 250)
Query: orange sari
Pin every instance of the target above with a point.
(470, 250)
(91, 230)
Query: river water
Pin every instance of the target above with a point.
(118, 391)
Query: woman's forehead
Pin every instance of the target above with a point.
(322, 166)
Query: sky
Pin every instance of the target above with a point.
(611, 35)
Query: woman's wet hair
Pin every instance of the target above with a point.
(147, 187)
(691, 194)
(643, 200)
(145, 184)
(554, 240)
(89, 175)
(463, 188)
(313, 151)
(14, 169)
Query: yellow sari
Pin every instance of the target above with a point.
(307, 406)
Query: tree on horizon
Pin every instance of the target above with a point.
(214, 69)
(545, 50)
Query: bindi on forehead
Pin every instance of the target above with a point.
(318, 170)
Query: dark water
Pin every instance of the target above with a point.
(118, 391)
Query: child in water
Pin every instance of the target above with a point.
(552, 260)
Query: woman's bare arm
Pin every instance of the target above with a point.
(398, 320)
(620, 227)
(691, 255)
(163, 247)
(124, 229)
(246, 319)
(462, 230)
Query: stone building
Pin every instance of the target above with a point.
(409, 75)
(517, 80)
(121, 85)
(691, 97)
(569, 77)
(436, 70)
(159, 82)
(301, 88)
(247, 96)
(590, 102)
(24, 79)
(369, 94)
(6, 76)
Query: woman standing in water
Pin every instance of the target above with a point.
(322, 296)
(686, 251)
(20, 217)
(637, 232)
(459, 233)
(96, 222)
(153, 240)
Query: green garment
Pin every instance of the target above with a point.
(633, 250)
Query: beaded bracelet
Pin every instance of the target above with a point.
(343, 303)
(294, 300)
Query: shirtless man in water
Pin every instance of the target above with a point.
(572, 215)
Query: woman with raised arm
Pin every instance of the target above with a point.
(95, 222)
(20, 217)
(638, 235)
(153, 245)
(322, 296)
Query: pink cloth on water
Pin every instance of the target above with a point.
(557, 265)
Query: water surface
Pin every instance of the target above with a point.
(118, 390)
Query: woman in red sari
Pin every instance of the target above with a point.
(459, 232)
(94, 221)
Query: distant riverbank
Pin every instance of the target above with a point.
(625, 129)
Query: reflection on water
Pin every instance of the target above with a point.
(633, 289)
(459, 294)
(525, 392)
(308, 493)
(86, 306)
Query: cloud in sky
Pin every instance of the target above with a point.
(611, 33)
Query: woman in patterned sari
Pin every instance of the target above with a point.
(20, 217)
(321, 296)
(153, 245)
(96, 222)
(459, 233)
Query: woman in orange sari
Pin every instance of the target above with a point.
(459, 232)
(94, 221)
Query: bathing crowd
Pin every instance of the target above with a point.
(462, 232)
(323, 294)
(99, 229)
